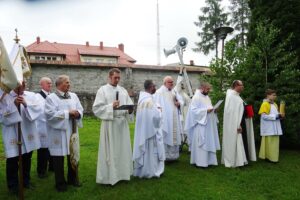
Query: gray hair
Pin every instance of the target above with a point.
(43, 79)
(166, 78)
(60, 79)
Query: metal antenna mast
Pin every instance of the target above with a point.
(157, 34)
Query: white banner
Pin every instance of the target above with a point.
(8, 76)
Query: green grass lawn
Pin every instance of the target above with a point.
(259, 180)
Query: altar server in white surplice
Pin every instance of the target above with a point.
(201, 125)
(148, 150)
(43, 154)
(61, 108)
(170, 102)
(9, 118)
(114, 155)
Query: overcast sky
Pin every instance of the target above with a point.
(131, 22)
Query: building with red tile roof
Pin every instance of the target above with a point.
(76, 54)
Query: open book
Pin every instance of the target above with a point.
(216, 106)
(125, 107)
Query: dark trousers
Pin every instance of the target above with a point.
(58, 166)
(244, 135)
(43, 158)
(12, 166)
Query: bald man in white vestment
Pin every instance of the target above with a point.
(201, 125)
(170, 102)
(233, 147)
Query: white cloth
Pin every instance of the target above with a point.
(148, 150)
(9, 74)
(233, 152)
(9, 118)
(59, 124)
(41, 122)
(186, 100)
(203, 131)
(114, 155)
(269, 125)
(171, 126)
(250, 139)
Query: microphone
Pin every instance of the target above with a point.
(117, 95)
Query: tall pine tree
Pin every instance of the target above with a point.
(213, 17)
(285, 15)
(240, 16)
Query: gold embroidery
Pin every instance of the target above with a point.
(6, 114)
(145, 105)
(30, 137)
(56, 141)
(13, 141)
(61, 117)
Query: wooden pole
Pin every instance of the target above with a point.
(21, 189)
(74, 131)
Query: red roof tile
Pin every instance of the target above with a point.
(72, 52)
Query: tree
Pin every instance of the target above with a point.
(249, 65)
(282, 74)
(212, 18)
(240, 15)
(284, 15)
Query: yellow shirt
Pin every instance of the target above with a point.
(266, 107)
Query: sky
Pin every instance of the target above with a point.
(131, 22)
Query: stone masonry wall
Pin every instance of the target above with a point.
(86, 80)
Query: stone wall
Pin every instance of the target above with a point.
(86, 80)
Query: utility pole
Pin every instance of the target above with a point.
(157, 34)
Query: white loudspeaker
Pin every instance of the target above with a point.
(182, 42)
(169, 52)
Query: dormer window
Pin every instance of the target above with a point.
(98, 59)
(44, 57)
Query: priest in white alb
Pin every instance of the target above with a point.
(114, 155)
(148, 150)
(170, 102)
(9, 118)
(233, 147)
(201, 125)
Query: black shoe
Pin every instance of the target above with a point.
(43, 175)
(29, 186)
(14, 191)
(50, 170)
(61, 188)
(75, 183)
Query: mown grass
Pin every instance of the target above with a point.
(259, 180)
